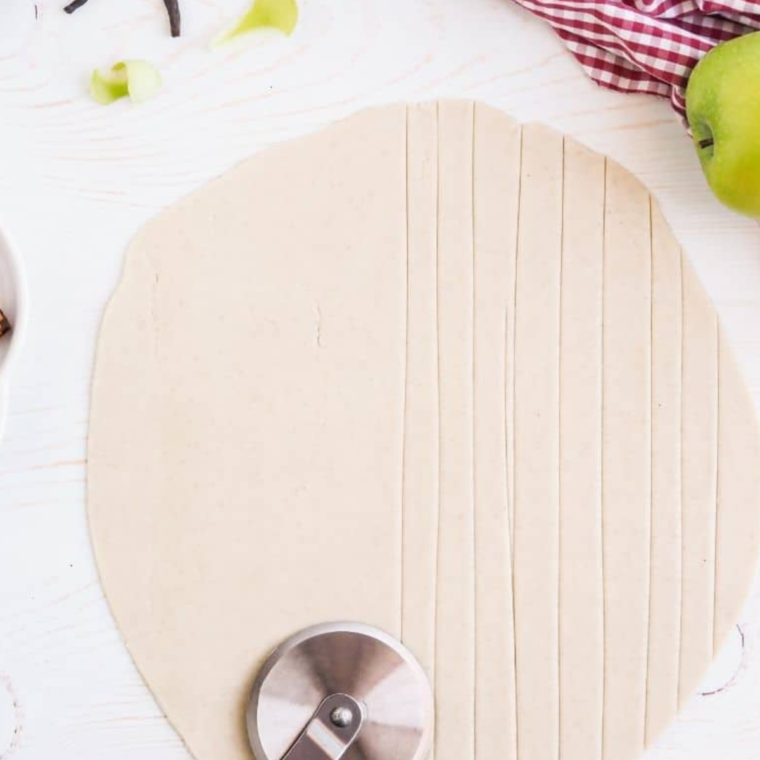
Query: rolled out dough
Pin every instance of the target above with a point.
(444, 374)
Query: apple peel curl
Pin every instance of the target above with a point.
(138, 80)
(281, 15)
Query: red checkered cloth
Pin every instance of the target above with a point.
(648, 46)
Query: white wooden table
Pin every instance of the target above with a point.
(77, 181)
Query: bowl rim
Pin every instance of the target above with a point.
(10, 251)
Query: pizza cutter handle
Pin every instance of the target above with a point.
(331, 731)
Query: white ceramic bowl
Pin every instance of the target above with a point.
(13, 302)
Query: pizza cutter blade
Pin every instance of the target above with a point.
(340, 691)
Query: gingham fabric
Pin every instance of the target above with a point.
(647, 46)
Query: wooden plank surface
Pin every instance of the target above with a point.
(78, 180)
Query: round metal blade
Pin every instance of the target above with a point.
(343, 658)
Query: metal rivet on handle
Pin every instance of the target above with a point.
(342, 716)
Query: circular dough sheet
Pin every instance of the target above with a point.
(443, 374)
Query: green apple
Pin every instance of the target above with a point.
(723, 109)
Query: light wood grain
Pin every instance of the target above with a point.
(78, 180)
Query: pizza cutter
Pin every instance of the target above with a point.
(340, 691)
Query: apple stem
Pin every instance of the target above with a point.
(706, 143)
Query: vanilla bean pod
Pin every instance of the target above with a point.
(5, 325)
(172, 7)
(71, 7)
